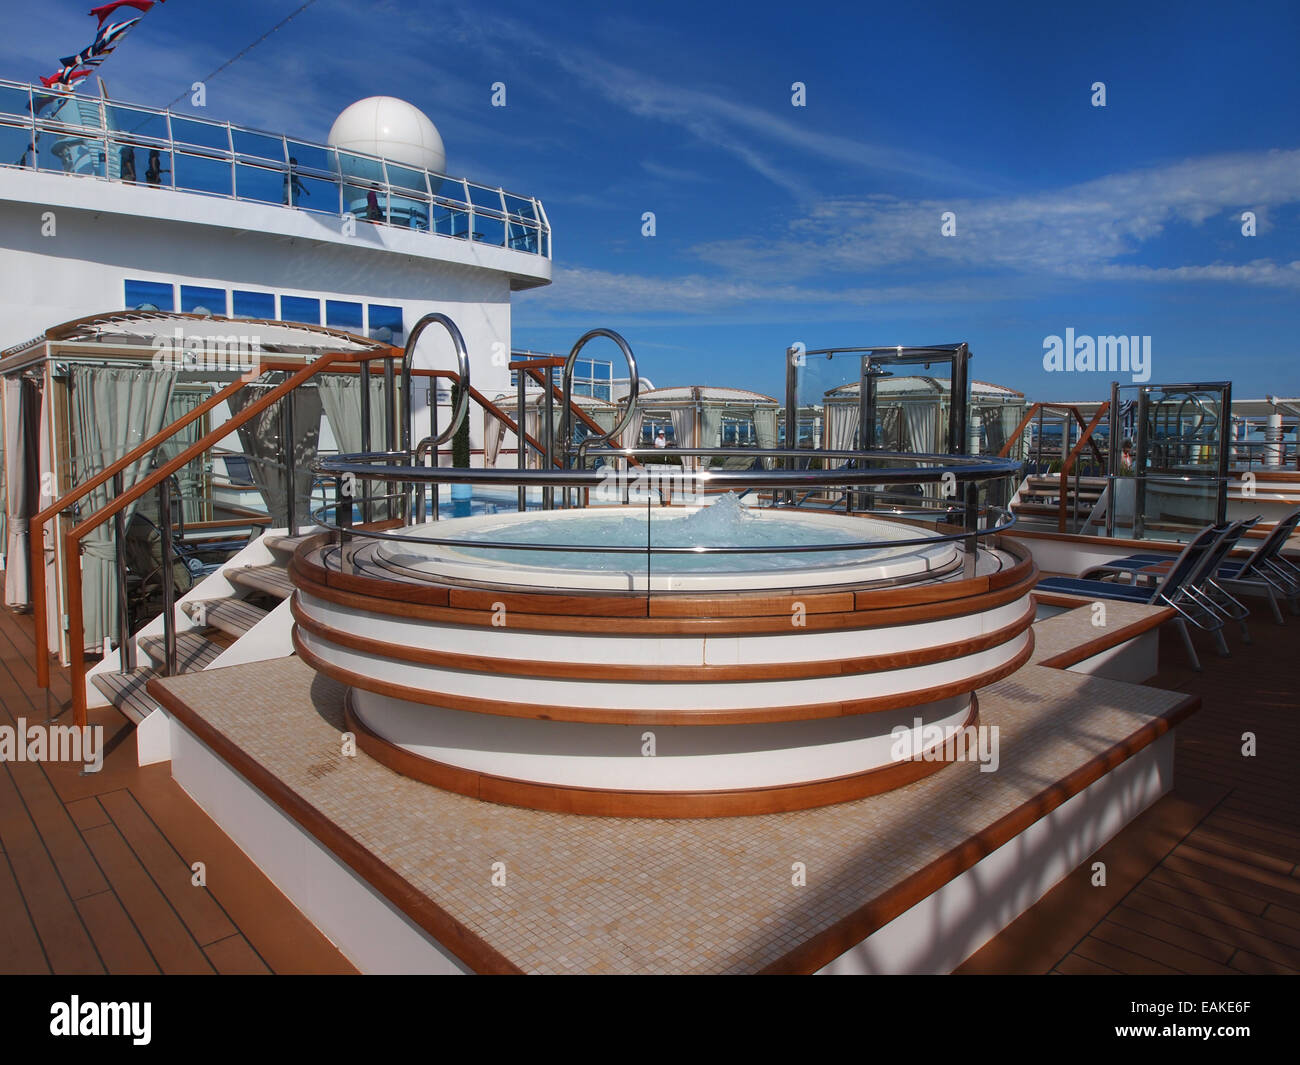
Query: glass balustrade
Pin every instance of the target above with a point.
(68, 133)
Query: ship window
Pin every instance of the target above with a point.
(300, 309)
(253, 304)
(389, 318)
(195, 299)
(157, 294)
(343, 315)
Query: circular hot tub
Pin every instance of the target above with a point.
(573, 550)
(516, 661)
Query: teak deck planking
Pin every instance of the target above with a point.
(96, 869)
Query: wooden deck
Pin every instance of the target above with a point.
(95, 869)
(1206, 881)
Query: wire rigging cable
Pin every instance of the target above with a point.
(234, 59)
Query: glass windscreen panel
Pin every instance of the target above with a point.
(258, 145)
(190, 131)
(1180, 450)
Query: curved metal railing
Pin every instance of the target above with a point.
(977, 520)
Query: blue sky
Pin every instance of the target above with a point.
(821, 224)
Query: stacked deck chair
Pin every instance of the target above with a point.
(1180, 588)
(1263, 572)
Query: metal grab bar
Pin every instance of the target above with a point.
(462, 396)
(462, 372)
(634, 389)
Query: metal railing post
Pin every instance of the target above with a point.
(125, 650)
(521, 439)
(972, 529)
(168, 577)
(343, 508)
(290, 462)
(548, 439)
(435, 497)
(365, 435)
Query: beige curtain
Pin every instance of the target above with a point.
(631, 435)
(493, 432)
(112, 412)
(683, 419)
(340, 399)
(842, 425)
(19, 440)
(921, 423)
(260, 439)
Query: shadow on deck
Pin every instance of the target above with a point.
(1206, 880)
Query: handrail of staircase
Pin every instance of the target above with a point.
(587, 420)
(1033, 411)
(1084, 438)
(502, 417)
(1005, 449)
(36, 527)
(73, 537)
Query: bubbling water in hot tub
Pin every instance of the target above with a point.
(725, 523)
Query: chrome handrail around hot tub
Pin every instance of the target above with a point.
(978, 520)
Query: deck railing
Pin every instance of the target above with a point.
(71, 577)
(60, 132)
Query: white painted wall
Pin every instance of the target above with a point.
(106, 232)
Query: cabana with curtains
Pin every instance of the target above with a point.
(85, 393)
(912, 416)
(496, 435)
(706, 416)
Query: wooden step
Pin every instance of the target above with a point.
(1048, 509)
(271, 580)
(126, 691)
(286, 545)
(232, 616)
(193, 650)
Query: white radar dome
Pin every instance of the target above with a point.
(392, 128)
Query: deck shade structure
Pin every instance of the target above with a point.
(913, 414)
(603, 413)
(903, 397)
(85, 393)
(704, 416)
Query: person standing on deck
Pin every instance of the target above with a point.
(293, 186)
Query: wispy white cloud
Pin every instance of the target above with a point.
(1072, 232)
(836, 251)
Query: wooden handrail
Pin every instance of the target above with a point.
(72, 538)
(541, 380)
(36, 527)
(1084, 438)
(1005, 450)
(501, 415)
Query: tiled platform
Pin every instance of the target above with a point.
(605, 895)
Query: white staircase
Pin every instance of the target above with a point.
(238, 614)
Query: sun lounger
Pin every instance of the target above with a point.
(1179, 588)
(1264, 571)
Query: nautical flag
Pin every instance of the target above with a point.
(66, 76)
(75, 67)
(108, 38)
(103, 12)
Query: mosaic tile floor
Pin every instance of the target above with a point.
(603, 895)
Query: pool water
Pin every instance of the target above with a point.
(726, 523)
